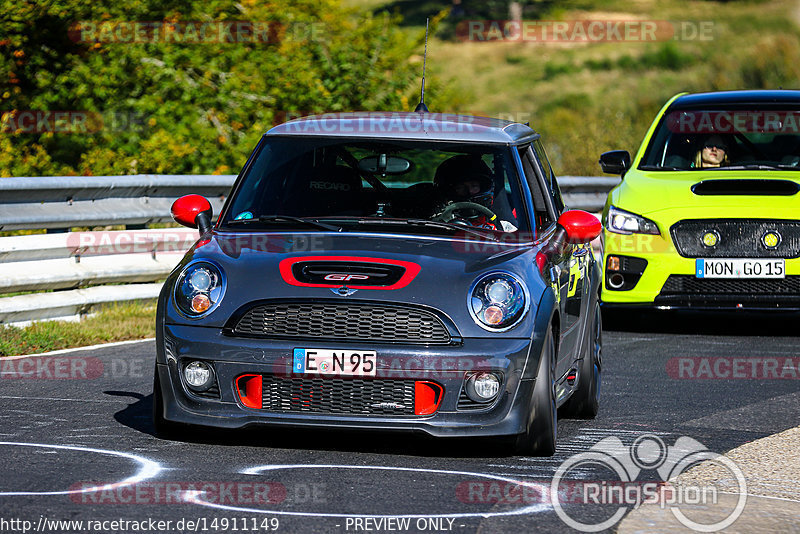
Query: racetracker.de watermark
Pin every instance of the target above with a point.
(72, 122)
(71, 368)
(583, 31)
(154, 241)
(731, 122)
(382, 122)
(190, 32)
(734, 368)
(217, 492)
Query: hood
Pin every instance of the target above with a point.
(408, 269)
(648, 193)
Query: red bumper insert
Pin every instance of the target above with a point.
(427, 397)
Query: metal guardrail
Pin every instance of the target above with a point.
(74, 265)
(67, 201)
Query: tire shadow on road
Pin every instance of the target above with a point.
(138, 416)
(701, 322)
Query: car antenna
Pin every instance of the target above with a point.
(421, 107)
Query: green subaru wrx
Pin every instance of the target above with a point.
(708, 213)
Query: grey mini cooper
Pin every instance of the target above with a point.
(385, 271)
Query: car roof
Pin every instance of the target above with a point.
(766, 96)
(408, 125)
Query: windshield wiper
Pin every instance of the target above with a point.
(433, 224)
(288, 218)
(660, 168)
(762, 167)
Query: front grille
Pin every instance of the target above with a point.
(466, 404)
(687, 284)
(342, 321)
(361, 274)
(338, 395)
(686, 290)
(738, 238)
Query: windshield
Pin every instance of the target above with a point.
(720, 138)
(379, 185)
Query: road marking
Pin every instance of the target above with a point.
(148, 469)
(56, 399)
(195, 497)
(79, 349)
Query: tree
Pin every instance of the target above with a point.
(194, 90)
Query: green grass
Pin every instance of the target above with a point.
(586, 98)
(115, 323)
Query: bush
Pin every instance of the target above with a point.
(178, 107)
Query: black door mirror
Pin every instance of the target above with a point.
(615, 162)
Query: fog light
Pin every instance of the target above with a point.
(483, 387)
(616, 281)
(198, 375)
(710, 239)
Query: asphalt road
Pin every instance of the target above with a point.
(82, 421)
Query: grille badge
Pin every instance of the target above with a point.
(388, 405)
(771, 239)
(343, 291)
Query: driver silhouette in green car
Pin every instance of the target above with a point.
(465, 184)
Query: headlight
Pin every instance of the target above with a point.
(623, 222)
(199, 288)
(497, 301)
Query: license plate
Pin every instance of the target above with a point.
(739, 268)
(335, 362)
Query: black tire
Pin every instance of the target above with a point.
(163, 428)
(539, 439)
(584, 402)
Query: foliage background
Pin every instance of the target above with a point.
(195, 108)
(200, 108)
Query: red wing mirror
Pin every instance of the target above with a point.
(193, 211)
(581, 226)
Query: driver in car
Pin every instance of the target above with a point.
(465, 183)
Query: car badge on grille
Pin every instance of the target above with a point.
(771, 239)
(343, 277)
(343, 291)
(388, 405)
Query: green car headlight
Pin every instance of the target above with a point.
(624, 222)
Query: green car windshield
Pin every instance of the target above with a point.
(740, 138)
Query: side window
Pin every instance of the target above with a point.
(542, 215)
(550, 178)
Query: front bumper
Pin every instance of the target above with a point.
(668, 280)
(514, 359)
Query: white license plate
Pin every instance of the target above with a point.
(335, 362)
(739, 268)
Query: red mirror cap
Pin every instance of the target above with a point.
(581, 226)
(186, 209)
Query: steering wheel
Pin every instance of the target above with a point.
(448, 214)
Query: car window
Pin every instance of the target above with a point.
(549, 176)
(358, 181)
(542, 210)
(725, 138)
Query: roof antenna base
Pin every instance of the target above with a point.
(421, 108)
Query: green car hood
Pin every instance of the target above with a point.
(651, 192)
